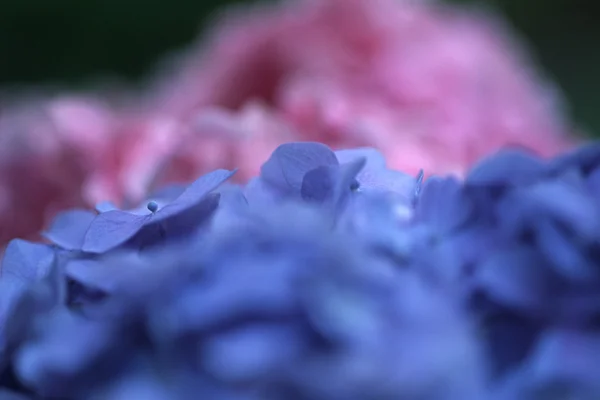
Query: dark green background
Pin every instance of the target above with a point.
(72, 41)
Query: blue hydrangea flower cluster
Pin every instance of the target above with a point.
(327, 277)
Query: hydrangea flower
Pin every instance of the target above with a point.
(483, 288)
(274, 302)
(436, 87)
(523, 236)
(74, 230)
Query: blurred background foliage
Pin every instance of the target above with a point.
(70, 42)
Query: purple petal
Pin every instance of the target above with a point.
(347, 180)
(93, 273)
(443, 204)
(567, 356)
(51, 361)
(232, 196)
(579, 305)
(69, 228)
(194, 194)
(375, 174)
(180, 224)
(106, 275)
(263, 287)
(106, 206)
(288, 164)
(10, 395)
(232, 205)
(331, 184)
(258, 191)
(387, 180)
(26, 261)
(555, 200)
(318, 184)
(514, 278)
(593, 183)
(252, 352)
(507, 167)
(111, 229)
(563, 254)
(584, 158)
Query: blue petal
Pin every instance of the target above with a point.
(189, 220)
(584, 159)
(161, 197)
(107, 274)
(182, 215)
(475, 243)
(507, 167)
(52, 362)
(564, 255)
(388, 180)
(262, 287)
(24, 264)
(232, 196)
(347, 182)
(106, 206)
(111, 229)
(578, 305)
(331, 184)
(10, 395)
(69, 228)
(521, 206)
(252, 352)
(567, 357)
(288, 164)
(341, 312)
(378, 219)
(232, 205)
(94, 274)
(318, 184)
(510, 338)
(194, 194)
(558, 201)
(257, 191)
(443, 204)
(515, 278)
(375, 175)
(419, 184)
(568, 200)
(593, 183)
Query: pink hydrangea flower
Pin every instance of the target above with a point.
(158, 148)
(48, 150)
(433, 86)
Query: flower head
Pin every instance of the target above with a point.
(271, 299)
(436, 87)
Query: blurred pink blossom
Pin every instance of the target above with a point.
(158, 148)
(433, 87)
(48, 150)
